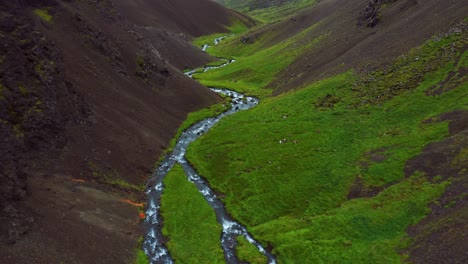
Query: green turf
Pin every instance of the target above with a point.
(141, 257)
(197, 116)
(255, 67)
(248, 253)
(287, 165)
(276, 13)
(44, 14)
(268, 14)
(235, 28)
(189, 222)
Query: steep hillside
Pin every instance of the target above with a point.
(331, 37)
(91, 92)
(254, 4)
(196, 17)
(357, 151)
(268, 11)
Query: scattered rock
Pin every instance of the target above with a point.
(371, 15)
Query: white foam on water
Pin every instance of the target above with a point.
(158, 253)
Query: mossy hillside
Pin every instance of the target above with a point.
(286, 149)
(235, 28)
(266, 13)
(241, 45)
(368, 230)
(189, 222)
(286, 166)
(253, 71)
(275, 13)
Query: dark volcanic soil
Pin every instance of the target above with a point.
(441, 237)
(350, 43)
(88, 100)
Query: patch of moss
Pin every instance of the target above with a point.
(140, 255)
(112, 178)
(409, 70)
(140, 61)
(461, 161)
(44, 14)
(2, 90)
(327, 101)
(248, 253)
(39, 69)
(19, 132)
(23, 90)
(37, 106)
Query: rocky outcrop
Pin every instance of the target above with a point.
(36, 105)
(371, 15)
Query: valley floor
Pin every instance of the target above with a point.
(360, 167)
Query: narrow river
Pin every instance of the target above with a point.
(154, 244)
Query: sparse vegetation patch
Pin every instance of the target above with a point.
(44, 14)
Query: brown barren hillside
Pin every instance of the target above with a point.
(349, 42)
(91, 93)
(195, 17)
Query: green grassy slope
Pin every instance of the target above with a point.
(287, 166)
(267, 10)
(189, 222)
(255, 65)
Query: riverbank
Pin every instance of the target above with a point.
(322, 174)
(155, 242)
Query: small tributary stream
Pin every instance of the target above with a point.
(154, 244)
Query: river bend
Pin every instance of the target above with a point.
(154, 243)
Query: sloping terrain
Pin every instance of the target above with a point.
(268, 11)
(91, 93)
(343, 42)
(253, 4)
(357, 151)
(196, 17)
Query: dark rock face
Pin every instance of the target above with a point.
(35, 106)
(371, 15)
(99, 40)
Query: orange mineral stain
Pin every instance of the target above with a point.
(78, 180)
(132, 202)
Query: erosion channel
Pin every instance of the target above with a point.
(154, 244)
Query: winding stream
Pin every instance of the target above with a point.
(154, 244)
